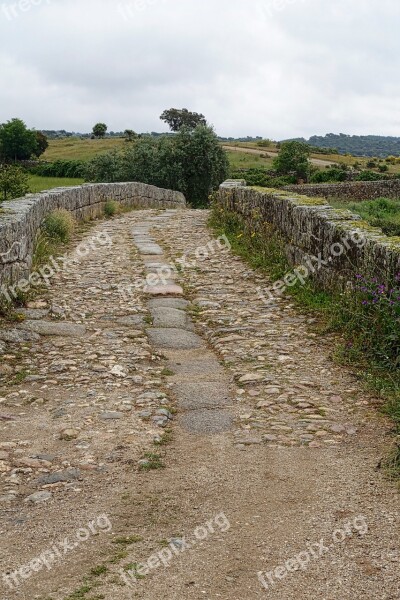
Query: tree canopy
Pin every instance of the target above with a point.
(293, 159)
(179, 118)
(13, 182)
(17, 142)
(100, 130)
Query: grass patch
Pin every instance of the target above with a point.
(59, 226)
(153, 462)
(165, 439)
(98, 571)
(167, 373)
(382, 212)
(37, 183)
(81, 593)
(112, 208)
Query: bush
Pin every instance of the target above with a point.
(13, 182)
(331, 175)
(369, 176)
(59, 225)
(112, 208)
(61, 168)
(191, 162)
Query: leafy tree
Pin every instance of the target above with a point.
(130, 135)
(17, 142)
(42, 144)
(192, 162)
(100, 130)
(13, 182)
(177, 119)
(293, 158)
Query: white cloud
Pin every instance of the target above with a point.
(276, 68)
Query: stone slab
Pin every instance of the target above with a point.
(174, 339)
(54, 328)
(178, 303)
(164, 290)
(171, 317)
(207, 422)
(202, 394)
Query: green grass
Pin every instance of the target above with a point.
(382, 212)
(242, 160)
(39, 184)
(77, 149)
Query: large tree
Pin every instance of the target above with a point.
(17, 142)
(179, 118)
(100, 130)
(293, 159)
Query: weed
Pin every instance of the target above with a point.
(153, 462)
(59, 225)
(128, 541)
(112, 208)
(97, 571)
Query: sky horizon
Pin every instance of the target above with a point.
(272, 68)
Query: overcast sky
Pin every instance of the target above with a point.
(276, 68)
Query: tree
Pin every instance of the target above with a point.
(17, 142)
(177, 119)
(192, 162)
(100, 130)
(293, 158)
(13, 182)
(42, 144)
(130, 135)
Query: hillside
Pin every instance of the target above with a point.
(357, 145)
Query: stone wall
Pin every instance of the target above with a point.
(316, 232)
(350, 190)
(21, 219)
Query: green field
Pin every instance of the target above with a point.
(77, 149)
(38, 184)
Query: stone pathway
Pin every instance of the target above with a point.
(157, 352)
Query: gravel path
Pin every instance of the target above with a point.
(270, 486)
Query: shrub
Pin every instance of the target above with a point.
(112, 208)
(61, 168)
(369, 176)
(329, 175)
(191, 162)
(13, 182)
(59, 225)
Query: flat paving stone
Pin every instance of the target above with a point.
(131, 321)
(202, 394)
(164, 290)
(150, 250)
(53, 328)
(171, 317)
(207, 422)
(201, 369)
(178, 303)
(174, 339)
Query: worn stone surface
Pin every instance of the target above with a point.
(171, 317)
(20, 223)
(53, 328)
(175, 339)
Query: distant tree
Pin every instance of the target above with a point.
(13, 182)
(130, 135)
(293, 158)
(177, 119)
(42, 144)
(100, 130)
(17, 142)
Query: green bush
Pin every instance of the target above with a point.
(331, 175)
(75, 169)
(111, 208)
(369, 176)
(192, 162)
(59, 225)
(13, 182)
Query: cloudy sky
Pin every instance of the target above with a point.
(276, 68)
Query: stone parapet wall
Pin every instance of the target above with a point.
(317, 232)
(21, 220)
(350, 190)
